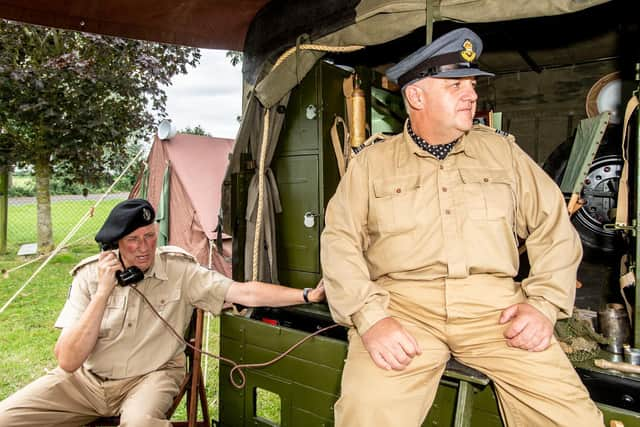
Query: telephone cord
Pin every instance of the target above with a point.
(236, 367)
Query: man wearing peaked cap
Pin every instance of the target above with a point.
(116, 357)
(453, 55)
(420, 251)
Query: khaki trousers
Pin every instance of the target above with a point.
(73, 399)
(460, 319)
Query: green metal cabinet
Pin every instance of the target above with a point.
(306, 172)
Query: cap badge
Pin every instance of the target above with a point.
(146, 214)
(467, 54)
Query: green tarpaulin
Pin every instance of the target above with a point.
(162, 216)
(585, 145)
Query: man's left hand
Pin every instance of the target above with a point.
(317, 294)
(529, 330)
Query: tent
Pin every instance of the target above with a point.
(191, 168)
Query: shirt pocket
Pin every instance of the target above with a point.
(166, 300)
(488, 194)
(395, 203)
(113, 318)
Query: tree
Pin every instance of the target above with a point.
(77, 101)
(235, 57)
(197, 130)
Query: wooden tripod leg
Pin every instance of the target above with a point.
(196, 374)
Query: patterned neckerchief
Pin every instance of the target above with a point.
(439, 151)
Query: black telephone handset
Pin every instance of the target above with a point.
(130, 275)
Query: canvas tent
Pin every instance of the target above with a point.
(182, 181)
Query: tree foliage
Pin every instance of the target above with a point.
(197, 130)
(78, 98)
(75, 100)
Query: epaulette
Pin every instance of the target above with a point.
(176, 251)
(373, 139)
(489, 129)
(502, 133)
(83, 263)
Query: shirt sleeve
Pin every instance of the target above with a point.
(354, 299)
(553, 245)
(206, 289)
(77, 300)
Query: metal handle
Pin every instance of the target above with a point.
(310, 219)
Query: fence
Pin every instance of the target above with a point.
(66, 211)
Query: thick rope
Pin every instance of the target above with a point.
(319, 47)
(265, 135)
(71, 233)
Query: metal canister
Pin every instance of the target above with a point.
(614, 324)
(632, 355)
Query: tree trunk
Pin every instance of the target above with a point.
(43, 198)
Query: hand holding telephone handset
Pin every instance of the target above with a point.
(129, 275)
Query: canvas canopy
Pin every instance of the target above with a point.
(224, 24)
(187, 171)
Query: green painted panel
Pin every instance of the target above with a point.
(298, 279)
(321, 350)
(298, 244)
(300, 132)
(611, 413)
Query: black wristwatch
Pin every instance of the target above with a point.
(305, 295)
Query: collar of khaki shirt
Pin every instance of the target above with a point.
(158, 269)
(409, 147)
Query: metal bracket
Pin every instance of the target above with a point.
(633, 228)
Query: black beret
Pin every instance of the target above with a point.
(126, 217)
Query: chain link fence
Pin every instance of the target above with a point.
(66, 212)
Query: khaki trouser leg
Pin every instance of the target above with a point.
(374, 397)
(57, 399)
(147, 400)
(533, 388)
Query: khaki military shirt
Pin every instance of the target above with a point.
(400, 214)
(132, 340)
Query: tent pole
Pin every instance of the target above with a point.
(4, 206)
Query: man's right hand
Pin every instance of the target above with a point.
(390, 345)
(108, 265)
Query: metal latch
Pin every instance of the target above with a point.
(633, 228)
(310, 219)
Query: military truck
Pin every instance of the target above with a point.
(308, 67)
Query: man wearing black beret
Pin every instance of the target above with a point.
(115, 356)
(420, 251)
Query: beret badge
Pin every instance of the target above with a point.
(146, 214)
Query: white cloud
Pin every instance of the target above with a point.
(209, 95)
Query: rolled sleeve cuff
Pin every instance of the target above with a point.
(222, 284)
(369, 315)
(545, 307)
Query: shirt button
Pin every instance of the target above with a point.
(129, 324)
(486, 180)
(161, 301)
(398, 190)
(441, 167)
(447, 212)
(444, 189)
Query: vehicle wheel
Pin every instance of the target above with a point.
(600, 193)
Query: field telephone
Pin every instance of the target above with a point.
(130, 275)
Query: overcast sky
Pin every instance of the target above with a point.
(209, 95)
